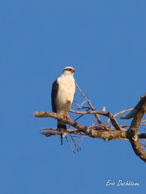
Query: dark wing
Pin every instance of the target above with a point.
(54, 92)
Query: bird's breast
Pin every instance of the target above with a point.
(66, 90)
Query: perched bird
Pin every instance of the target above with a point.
(63, 90)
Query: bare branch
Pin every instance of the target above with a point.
(143, 121)
(111, 117)
(114, 122)
(134, 111)
(96, 132)
(104, 131)
(119, 113)
(90, 104)
(90, 112)
(101, 131)
(130, 115)
(134, 139)
(59, 117)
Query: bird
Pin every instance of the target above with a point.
(62, 95)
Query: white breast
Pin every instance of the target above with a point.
(65, 93)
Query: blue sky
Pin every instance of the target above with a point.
(106, 43)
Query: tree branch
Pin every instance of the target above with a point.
(104, 131)
(134, 139)
(101, 131)
(59, 117)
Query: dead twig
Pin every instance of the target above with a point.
(119, 113)
(90, 104)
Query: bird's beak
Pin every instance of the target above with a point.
(73, 71)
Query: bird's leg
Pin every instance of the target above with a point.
(66, 116)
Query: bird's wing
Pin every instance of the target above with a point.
(54, 93)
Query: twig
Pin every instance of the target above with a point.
(117, 114)
(111, 117)
(90, 104)
(143, 121)
(143, 144)
(90, 112)
(123, 126)
(70, 146)
(114, 122)
(75, 144)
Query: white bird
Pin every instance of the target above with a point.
(63, 90)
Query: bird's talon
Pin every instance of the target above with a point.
(67, 117)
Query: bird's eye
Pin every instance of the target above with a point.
(70, 69)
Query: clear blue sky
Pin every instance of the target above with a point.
(106, 43)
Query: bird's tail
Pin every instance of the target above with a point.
(61, 127)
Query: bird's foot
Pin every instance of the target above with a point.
(66, 116)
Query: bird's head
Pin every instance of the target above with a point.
(68, 70)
